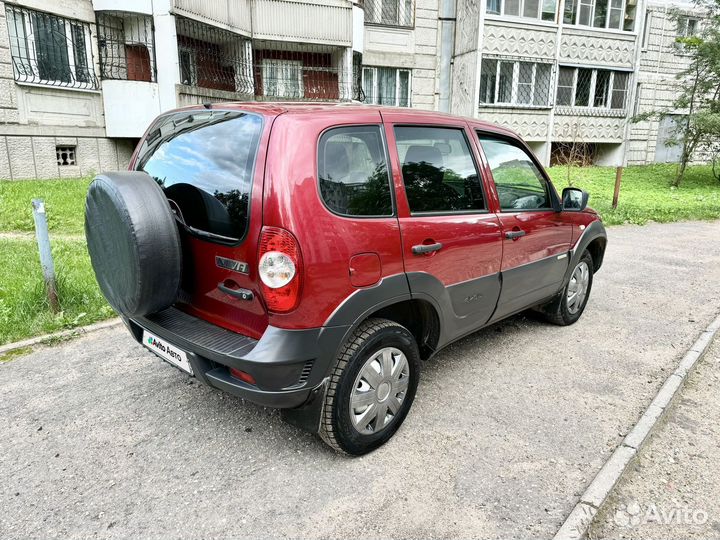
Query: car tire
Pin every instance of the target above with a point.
(368, 373)
(567, 307)
(133, 242)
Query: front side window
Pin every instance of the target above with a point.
(48, 49)
(687, 26)
(518, 181)
(509, 82)
(204, 162)
(592, 88)
(386, 86)
(438, 170)
(531, 9)
(353, 172)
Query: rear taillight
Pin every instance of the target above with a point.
(243, 376)
(280, 269)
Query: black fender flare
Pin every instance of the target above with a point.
(591, 233)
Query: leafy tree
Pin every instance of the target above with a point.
(699, 92)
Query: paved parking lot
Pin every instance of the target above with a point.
(509, 426)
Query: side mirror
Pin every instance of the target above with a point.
(574, 199)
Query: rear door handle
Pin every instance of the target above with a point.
(514, 235)
(242, 294)
(422, 249)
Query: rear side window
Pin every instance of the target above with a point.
(204, 162)
(519, 183)
(353, 172)
(438, 170)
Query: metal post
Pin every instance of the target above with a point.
(616, 194)
(46, 260)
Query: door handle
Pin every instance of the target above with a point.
(423, 249)
(514, 235)
(242, 294)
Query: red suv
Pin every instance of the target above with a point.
(309, 256)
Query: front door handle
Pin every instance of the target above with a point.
(514, 235)
(423, 249)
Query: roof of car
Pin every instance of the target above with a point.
(276, 108)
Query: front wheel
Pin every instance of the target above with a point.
(567, 307)
(371, 388)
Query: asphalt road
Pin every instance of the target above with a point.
(100, 438)
(673, 488)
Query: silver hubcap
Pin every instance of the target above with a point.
(577, 288)
(379, 390)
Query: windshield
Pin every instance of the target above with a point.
(204, 162)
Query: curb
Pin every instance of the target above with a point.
(581, 517)
(112, 323)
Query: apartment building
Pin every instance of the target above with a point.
(572, 73)
(81, 79)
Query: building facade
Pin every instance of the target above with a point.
(80, 80)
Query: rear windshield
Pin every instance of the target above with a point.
(203, 161)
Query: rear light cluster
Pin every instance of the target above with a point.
(280, 269)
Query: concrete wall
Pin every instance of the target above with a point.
(34, 119)
(23, 157)
(411, 48)
(660, 61)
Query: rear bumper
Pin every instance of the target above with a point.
(289, 366)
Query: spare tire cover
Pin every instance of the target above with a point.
(133, 242)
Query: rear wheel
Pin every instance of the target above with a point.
(371, 388)
(567, 307)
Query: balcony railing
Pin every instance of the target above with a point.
(51, 50)
(127, 46)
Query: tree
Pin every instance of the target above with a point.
(699, 91)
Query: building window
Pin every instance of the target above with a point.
(532, 9)
(386, 86)
(390, 12)
(52, 50)
(65, 155)
(592, 88)
(512, 82)
(282, 78)
(647, 25)
(127, 46)
(613, 14)
(687, 26)
(213, 58)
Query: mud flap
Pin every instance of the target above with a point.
(307, 416)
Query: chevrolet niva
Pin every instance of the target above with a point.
(309, 257)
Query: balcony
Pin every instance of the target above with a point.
(323, 22)
(126, 45)
(327, 22)
(219, 65)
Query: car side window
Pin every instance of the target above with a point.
(438, 170)
(352, 171)
(519, 183)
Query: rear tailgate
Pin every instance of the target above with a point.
(210, 164)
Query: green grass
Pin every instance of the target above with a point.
(24, 310)
(64, 203)
(645, 193)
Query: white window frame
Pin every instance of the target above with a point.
(514, 88)
(267, 63)
(686, 20)
(591, 22)
(521, 11)
(591, 94)
(32, 58)
(397, 83)
(193, 64)
(647, 29)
